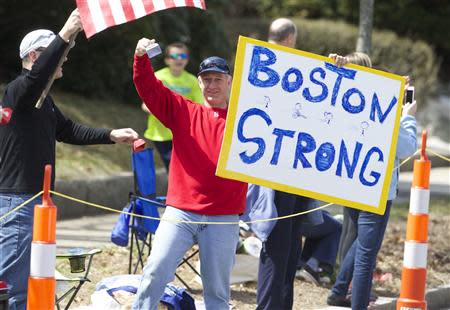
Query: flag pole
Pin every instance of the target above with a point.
(52, 78)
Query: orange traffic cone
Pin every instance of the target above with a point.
(41, 282)
(412, 292)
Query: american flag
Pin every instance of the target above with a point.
(97, 15)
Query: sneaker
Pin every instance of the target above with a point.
(326, 274)
(338, 301)
(310, 275)
(372, 297)
(319, 277)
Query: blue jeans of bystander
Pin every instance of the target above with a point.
(16, 232)
(165, 151)
(359, 262)
(322, 240)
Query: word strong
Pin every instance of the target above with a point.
(323, 156)
(298, 123)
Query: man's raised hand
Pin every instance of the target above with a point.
(142, 45)
(72, 25)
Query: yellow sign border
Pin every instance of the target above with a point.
(231, 118)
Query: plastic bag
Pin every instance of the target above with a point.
(176, 298)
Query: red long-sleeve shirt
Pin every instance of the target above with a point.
(197, 138)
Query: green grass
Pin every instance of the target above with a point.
(438, 206)
(78, 162)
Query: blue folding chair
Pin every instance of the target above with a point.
(144, 201)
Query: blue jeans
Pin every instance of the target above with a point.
(16, 232)
(165, 151)
(217, 245)
(359, 262)
(322, 241)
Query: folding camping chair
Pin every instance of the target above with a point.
(68, 284)
(144, 201)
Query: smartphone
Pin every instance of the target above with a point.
(410, 94)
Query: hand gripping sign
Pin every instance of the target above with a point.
(299, 124)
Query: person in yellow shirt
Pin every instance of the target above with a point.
(175, 77)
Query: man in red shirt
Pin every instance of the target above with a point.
(195, 193)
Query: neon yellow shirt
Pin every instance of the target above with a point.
(186, 85)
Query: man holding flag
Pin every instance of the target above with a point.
(27, 139)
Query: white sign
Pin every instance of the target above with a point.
(298, 123)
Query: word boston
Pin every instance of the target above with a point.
(300, 124)
(257, 65)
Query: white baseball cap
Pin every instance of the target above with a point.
(34, 40)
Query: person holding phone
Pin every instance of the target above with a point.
(359, 262)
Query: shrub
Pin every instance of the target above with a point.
(400, 55)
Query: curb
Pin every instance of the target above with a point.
(107, 191)
(437, 298)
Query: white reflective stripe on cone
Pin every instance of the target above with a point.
(43, 257)
(419, 200)
(415, 255)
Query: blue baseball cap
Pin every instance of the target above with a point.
(214, 64)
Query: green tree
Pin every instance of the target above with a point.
(102, 66)
(425, 20)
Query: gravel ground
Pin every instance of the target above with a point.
(114, 261)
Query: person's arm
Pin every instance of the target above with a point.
(407, 141)
(73, 133)
(29, 89)
(165, 104)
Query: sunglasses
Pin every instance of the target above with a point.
(178, 56)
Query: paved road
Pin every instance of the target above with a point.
(95, 231)
(86, 232)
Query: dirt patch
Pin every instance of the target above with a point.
(390, 258)
(114, 261)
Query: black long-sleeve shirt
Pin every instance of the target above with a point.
(27, 142)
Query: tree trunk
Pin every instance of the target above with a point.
(364, 43)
